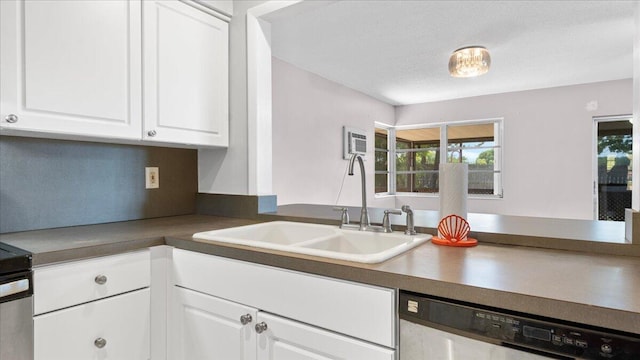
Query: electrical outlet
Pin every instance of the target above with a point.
(152, 177)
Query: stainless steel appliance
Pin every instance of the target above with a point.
(434, 328)
(16, 306)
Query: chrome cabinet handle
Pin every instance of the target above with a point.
(11, 118)
(245, 319)
(261, 327)
(152, 133)
(100, 343)
(101, 279)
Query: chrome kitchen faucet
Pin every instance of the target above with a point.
(364, 213)
(365, 224)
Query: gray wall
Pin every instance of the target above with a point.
(52, 183)
(548, 142)
(309, 112)
(548, 158)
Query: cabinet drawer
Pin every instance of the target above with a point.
(63, 285)
(122, 321)
(363, 311)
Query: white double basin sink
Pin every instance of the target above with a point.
(318, 240)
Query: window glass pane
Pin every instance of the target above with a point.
(470, 134)
(485, 157)
(381, 185)
(381, 155)
(402, 162)
(381, 160)
(425, 160)
(426, 182)
(419, 135)
(471, 144)
(381, 139)
(472, 156)
(430, 145)
(400, 144)
(481, 182)
(402, 183)
(455, 157)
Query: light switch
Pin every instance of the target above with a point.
(152, 177)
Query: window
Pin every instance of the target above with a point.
(417, 160)
(382, 160)
(419, 151)
(614, 138)
(476, 145)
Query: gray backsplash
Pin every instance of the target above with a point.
(52, 183)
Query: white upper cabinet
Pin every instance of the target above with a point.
(186, 77)
(71, 67)
(120, 71)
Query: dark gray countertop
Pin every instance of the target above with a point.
(602, 237)
(69, 243)
(599, 290)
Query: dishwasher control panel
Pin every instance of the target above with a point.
(519, 330)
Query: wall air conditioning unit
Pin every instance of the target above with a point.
(354, 142)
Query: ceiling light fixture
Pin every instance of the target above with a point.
(469, 61)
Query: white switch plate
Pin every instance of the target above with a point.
(152, 177)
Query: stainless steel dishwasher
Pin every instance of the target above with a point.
(16, 306)
(439, 329)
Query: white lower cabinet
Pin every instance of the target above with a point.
(206, 327)
(285, 339)
(114, 328)
(205, 307)
(226, 309)
(93, 309)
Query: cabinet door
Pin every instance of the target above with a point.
(185, 75)
(206, 327)
(289, 340)
(113, 328)
(363, 311)
(71, 68)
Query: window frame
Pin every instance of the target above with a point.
(498, 135)
(391, 144)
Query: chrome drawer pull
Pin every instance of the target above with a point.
(100, 343)
(101, 279)
(11, 118)
(261, 327)
(245, 319)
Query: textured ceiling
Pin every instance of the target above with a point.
(397, 51)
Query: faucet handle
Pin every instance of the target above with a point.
(386, 224)
(410, 226)
(344, 219)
